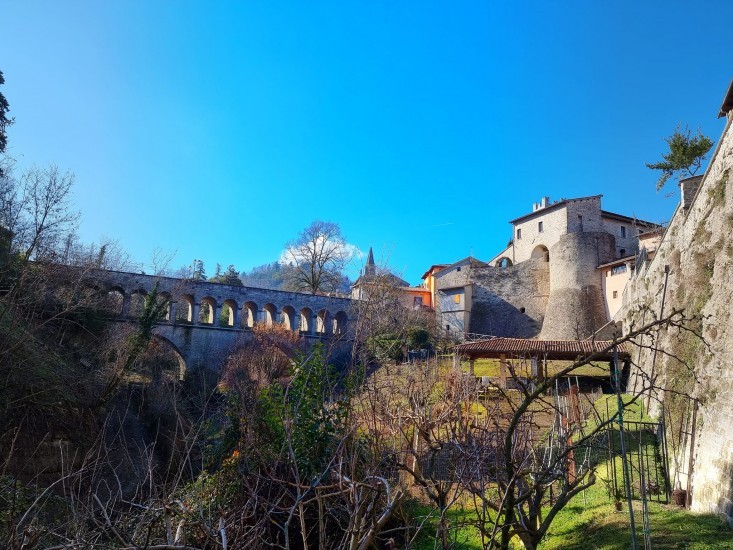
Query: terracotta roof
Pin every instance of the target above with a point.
(629, 219)
(652, 232)
(420, 289)
(620, 261)
(554, 349)
(727, 102)
(439, 266)
(469, 260)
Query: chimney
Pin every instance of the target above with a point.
(545, 201)
(688, 188)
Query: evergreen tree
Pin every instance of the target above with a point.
(231, 276)
(686, 153)
(199, 272)
(5, 121)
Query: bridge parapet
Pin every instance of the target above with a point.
(204, 319)
(203, 303)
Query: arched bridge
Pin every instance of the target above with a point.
(205, 319)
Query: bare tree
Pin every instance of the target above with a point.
(35, 209)
(317, 258)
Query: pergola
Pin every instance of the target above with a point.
(538, 352)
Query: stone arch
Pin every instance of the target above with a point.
(113, 301)
(306, 320)
(228, 316)
(207, 308)
(339, 323)
(504, 261)
(137, 302)
(288, 317)
(269, 314)
(184, 308)
(181, 371)
(166, 314)
(87, 293)
(249, 314)
(322, 322)
(540, 252)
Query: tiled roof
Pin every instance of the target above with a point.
(727, 102)
(557, 349)
(620, 261)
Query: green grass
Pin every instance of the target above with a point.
(490, 367)
(463, 535)
(590, 522)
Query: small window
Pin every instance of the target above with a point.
(458, 268)
(623, 232)
(457, 298)
(522, 310)
(615, 294)
(541, 227)
(447, 327)
(519, 234)
(622, 252)
(417, 302)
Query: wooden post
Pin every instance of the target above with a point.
(502, 370)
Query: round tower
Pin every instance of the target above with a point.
(575, 307)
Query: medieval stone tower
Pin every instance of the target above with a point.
(575, 307)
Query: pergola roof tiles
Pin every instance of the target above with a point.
(549, 349)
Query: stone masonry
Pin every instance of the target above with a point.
(697, 249)
(205, 342)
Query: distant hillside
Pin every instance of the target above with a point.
(274, 276)
(265, 276)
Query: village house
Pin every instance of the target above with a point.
(560, 277)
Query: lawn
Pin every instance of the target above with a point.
(490, 367)
(591, 522)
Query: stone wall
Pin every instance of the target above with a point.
(453, 297)
(576, 307)
(201, 344)
(554, 225)
(510, 301)
(698, 248)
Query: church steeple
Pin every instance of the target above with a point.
(370, 270)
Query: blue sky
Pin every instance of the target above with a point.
(219, 130)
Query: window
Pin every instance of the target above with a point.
(541, 227)
(519, 234)
(458, 268)
(623, 232)
(417, 301)
(447, 327)
(615, 294)
(457, 298)
(622, 252)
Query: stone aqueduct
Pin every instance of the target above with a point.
(204, 319)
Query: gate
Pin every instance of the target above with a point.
(646, 454)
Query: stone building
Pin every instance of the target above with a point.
(373, 282)
(687, 267)
(550, 280)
